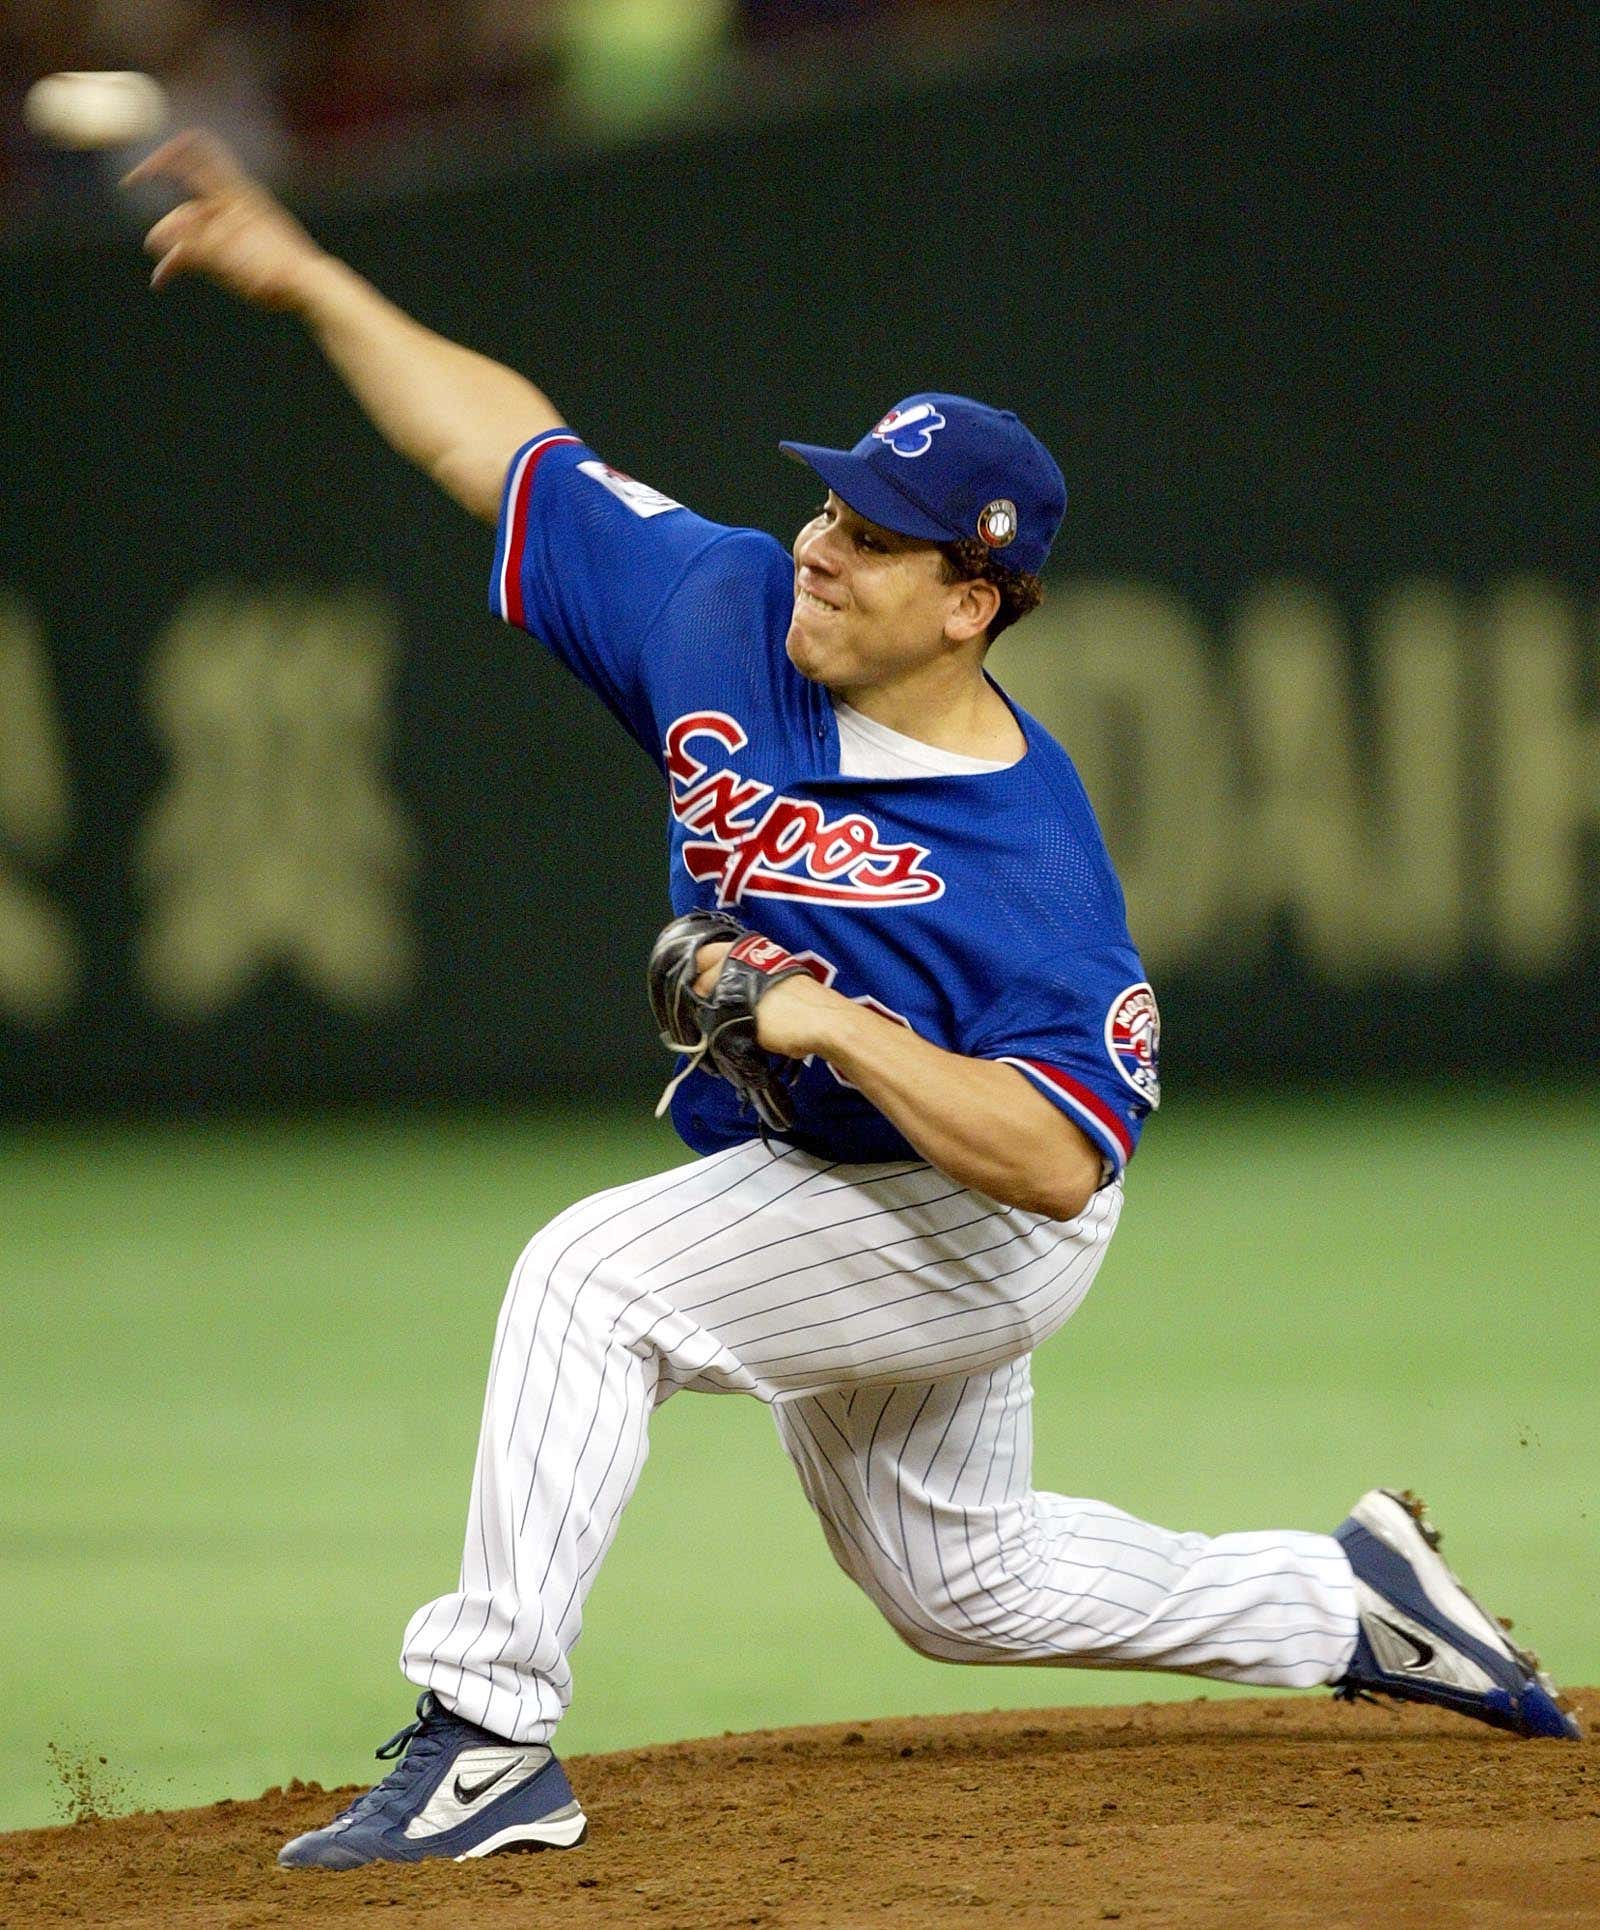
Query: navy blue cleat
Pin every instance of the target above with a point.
(1422, 1638)
(457, 1791)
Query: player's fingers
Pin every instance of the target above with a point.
(196, 159)
(708, 961)
(171, 228)
(168, 160)
(211, 163)
(171, 264)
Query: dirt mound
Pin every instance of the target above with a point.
(1244, 1812)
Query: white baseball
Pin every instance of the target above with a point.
(95, 110)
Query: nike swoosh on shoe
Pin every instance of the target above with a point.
(468, 1793)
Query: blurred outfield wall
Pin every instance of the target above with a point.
(1307, 310)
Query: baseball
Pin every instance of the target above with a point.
(95, 110)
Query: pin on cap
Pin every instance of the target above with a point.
(998, 524)
(945, 468)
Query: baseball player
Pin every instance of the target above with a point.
(894, 900)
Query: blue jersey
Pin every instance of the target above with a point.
(982, 911)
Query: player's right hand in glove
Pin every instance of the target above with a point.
(716, 1028)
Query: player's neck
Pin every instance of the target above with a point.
(967, 715)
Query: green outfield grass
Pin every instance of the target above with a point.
(243, 1367)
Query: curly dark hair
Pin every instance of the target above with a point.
(1020, 590)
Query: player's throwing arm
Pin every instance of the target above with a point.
(456, 414)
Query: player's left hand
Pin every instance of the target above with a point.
(789, 1017)
(715, 1028)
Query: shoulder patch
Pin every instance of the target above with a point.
(1133, 1038)
(638, 496)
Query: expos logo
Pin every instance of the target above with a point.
(756, 843)
(1133, 1038)
(910, 432)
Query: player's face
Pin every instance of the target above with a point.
(870, 605)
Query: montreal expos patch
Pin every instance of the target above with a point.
(1133, 1038)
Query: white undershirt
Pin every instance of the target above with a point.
(871, 749)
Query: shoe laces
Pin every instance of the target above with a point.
(387, 1751)
(418, 1745)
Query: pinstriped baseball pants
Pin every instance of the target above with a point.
(887, 1315)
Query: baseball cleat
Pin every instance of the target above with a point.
(458, 1791)
(1422, 1638)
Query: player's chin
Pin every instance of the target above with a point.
(805, 651)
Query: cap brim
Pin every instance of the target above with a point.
(854, 481)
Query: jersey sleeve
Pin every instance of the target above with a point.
(1085, 1030)
(585, 560)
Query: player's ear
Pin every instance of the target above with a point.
(973, 610)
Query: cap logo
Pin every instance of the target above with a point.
(910, 432)
(997, 524)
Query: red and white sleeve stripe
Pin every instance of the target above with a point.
(508, 600)
(1086, 1108)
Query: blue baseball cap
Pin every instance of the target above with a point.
(945, 468)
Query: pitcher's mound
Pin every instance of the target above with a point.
(1248, 1812)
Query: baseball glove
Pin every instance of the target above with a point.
(718, 1032)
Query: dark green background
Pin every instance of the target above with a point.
(1314, 295)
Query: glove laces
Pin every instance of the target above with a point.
(693, 1056)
